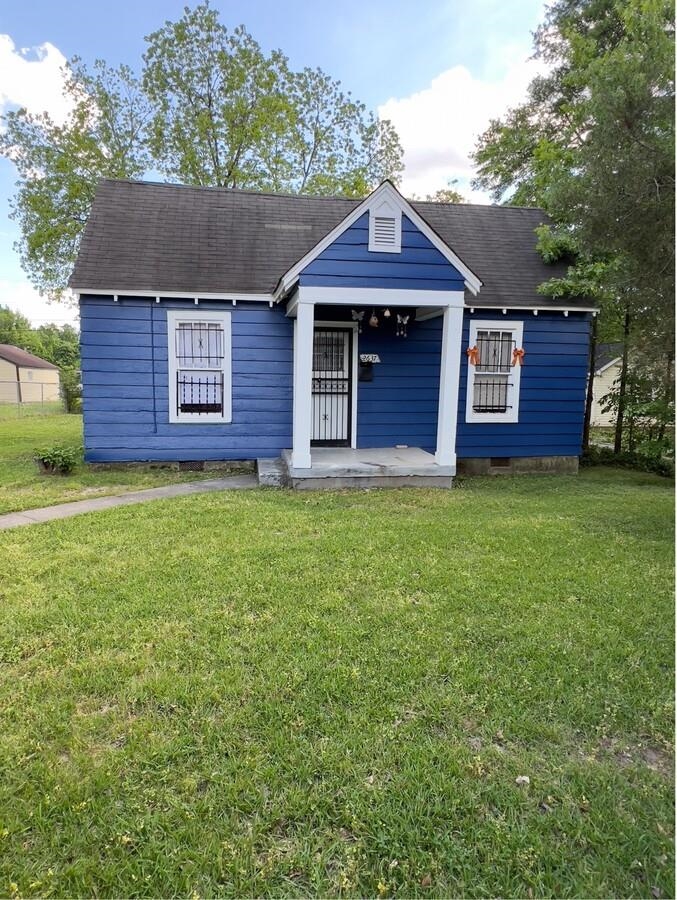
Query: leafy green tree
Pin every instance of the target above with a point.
(215, 97)
(594, 145)
(59, 166)
(210, 109)
(226, 114)
(57, 344)
(448, 194)
(15, 329)
(60, 345)
(649, 401)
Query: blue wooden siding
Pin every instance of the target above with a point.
(349, 263)
(126, 392)
(552, 390)
(400, 405)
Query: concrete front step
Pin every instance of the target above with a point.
(341, 467)
(362, 482)
(272, 472)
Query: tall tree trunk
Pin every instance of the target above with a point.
(622, 388)
(591, 378)
(667, 393)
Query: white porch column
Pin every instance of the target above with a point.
(303, 376)
(450, 371)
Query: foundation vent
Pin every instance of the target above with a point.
(192, 465)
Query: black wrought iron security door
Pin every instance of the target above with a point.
(332, 387)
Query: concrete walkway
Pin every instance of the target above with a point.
(66, 510)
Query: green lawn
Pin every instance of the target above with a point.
(23, 487)
(277, 694)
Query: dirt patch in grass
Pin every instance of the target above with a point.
(660, 760)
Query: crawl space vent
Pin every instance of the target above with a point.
(192, 465)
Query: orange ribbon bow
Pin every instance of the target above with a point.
(517, 357)
(473, 355)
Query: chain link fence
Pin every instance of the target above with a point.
(30, 398)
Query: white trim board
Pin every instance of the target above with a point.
(337, 296)
(223, 317)
(385, 191)
(618, 359)
(176, 295)
(534, 309)
(511, 415)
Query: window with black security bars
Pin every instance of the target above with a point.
(491, 389)
(199, 348)
(328, 352)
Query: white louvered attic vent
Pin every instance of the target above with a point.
(385, 229)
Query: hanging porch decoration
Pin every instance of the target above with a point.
(473, 355)
(517, 356)
(357, 317)
(402, 325)
(386, 313)
(374, 319)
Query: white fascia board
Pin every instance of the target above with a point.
(176, 295)
(389, 191)
(614, 362)
(531, 307)
(333, 296)
(293, 304)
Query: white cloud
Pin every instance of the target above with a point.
(22, 297)
(32, 78)
(439, 126)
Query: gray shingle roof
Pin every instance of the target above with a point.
(162, 237)
(606, 353)
(19, 357)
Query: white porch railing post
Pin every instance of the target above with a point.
(303, 375)
(450, 371)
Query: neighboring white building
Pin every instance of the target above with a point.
(608, 359)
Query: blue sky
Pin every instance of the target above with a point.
(438, 68)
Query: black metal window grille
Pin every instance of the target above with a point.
(199, 345)
(492, 386)
(495, 351)
(199, 392)
(328, 351)
(200, 352)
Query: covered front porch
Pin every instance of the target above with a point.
(348, 453)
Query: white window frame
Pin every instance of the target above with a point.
(385, 210)
(174, 318)
(512, 413)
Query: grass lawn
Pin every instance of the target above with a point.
(22, 487)
(276, 694)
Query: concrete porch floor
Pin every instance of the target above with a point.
(336, 467)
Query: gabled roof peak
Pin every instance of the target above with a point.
(386, 190)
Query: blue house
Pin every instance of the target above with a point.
(327, 338)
